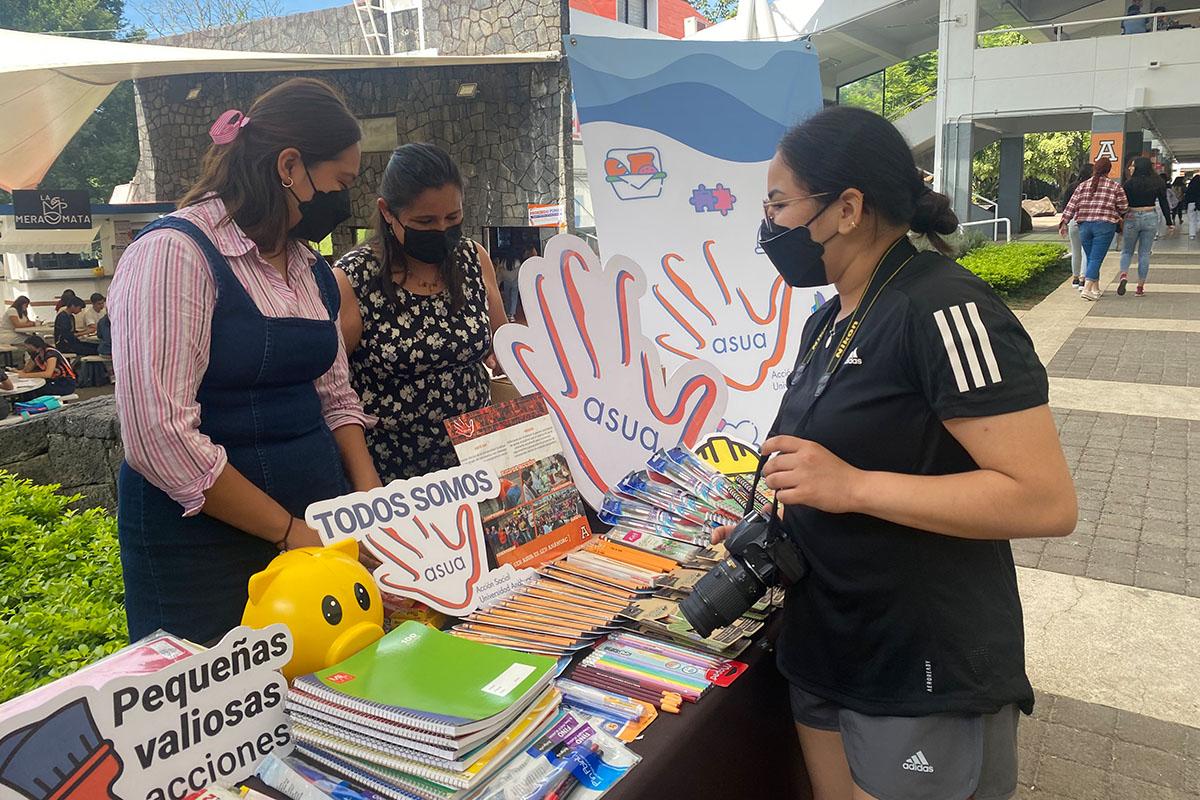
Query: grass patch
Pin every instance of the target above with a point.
(61, 592)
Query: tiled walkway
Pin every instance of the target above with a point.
(1113, 611)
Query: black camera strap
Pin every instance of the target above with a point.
(875, 286)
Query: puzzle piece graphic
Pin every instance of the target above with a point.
(703, 199)
(724, 198)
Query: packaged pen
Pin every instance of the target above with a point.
(657, 521)
(680, 466)
(669, 497)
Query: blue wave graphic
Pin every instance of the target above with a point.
(758, 88)
(699, 116)
(636, 58)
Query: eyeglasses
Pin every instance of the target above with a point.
(768, 205)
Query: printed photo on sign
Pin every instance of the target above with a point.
(583, 351)
(427, 533)
(206, 719)
(539, 512)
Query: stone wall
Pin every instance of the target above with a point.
(78, 447)
(508, 139)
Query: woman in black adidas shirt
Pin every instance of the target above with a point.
(913, 442)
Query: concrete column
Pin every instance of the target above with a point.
(1012, 171)
(957, 26)
(1132, 143)
(958, 146)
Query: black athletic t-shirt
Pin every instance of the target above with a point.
(892, 620)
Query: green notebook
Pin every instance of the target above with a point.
(432, 681)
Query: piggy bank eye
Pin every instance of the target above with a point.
(332, 609)
(364, 599)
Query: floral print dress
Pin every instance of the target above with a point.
(419, 362)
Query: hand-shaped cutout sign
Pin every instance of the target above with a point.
(741, 329)
(426, 531)
(584, 351)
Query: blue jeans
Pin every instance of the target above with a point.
(1095, 237)
(1140, 227)
(510, 293)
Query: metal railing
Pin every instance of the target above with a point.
(995, 223)
(1058, 27)
(897, 113)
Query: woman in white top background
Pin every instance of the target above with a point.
(16, 320)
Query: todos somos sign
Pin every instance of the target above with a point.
(426, 531)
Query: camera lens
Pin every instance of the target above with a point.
(721, 596)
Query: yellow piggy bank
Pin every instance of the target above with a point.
(326, 598)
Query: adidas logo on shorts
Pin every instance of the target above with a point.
(917, 763)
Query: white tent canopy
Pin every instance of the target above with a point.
(50, 85)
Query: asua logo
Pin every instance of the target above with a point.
(917, 763)
(853, 357)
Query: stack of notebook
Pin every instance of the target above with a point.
(422, 714)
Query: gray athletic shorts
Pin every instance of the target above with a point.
(936, 757)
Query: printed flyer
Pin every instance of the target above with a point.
(539, 512)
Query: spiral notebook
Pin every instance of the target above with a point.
(487, 760)
(429, 680)
(299, 703)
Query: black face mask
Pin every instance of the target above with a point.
(430, 246)
(320, 215)
(796, 257)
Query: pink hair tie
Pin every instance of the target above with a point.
(228, 126)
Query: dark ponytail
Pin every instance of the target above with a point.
(1100, 170)
(845, 147)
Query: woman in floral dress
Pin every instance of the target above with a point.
(419, 306)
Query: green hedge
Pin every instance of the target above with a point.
(1007, 266)
(61, 595)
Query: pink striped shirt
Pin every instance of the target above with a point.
(161, 305)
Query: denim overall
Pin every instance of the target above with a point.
(188, 575)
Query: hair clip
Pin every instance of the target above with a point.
(228, 126)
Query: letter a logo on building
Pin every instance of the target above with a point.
(1107, 149)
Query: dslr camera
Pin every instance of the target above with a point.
(760, 555)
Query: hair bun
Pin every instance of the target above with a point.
(933, 214)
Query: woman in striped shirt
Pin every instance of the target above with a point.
(235, 403)
(1097, 205)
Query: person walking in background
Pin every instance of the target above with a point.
(1077, 261)
(507, 275)
(1098, 205)
(1191, 199)
(1142, 191)
(1178, 186)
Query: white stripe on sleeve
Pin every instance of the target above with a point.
(951, 350)
(985, 343)
(968, 346)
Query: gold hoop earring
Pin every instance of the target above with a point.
(288, 183)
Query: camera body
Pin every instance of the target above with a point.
(760, 555)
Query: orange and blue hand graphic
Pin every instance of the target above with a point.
(441, 570)
(584, 352)
(743, 331)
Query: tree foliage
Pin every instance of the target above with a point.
(1050, 158)
(104, 152)
(715, 10)
(184, 16)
